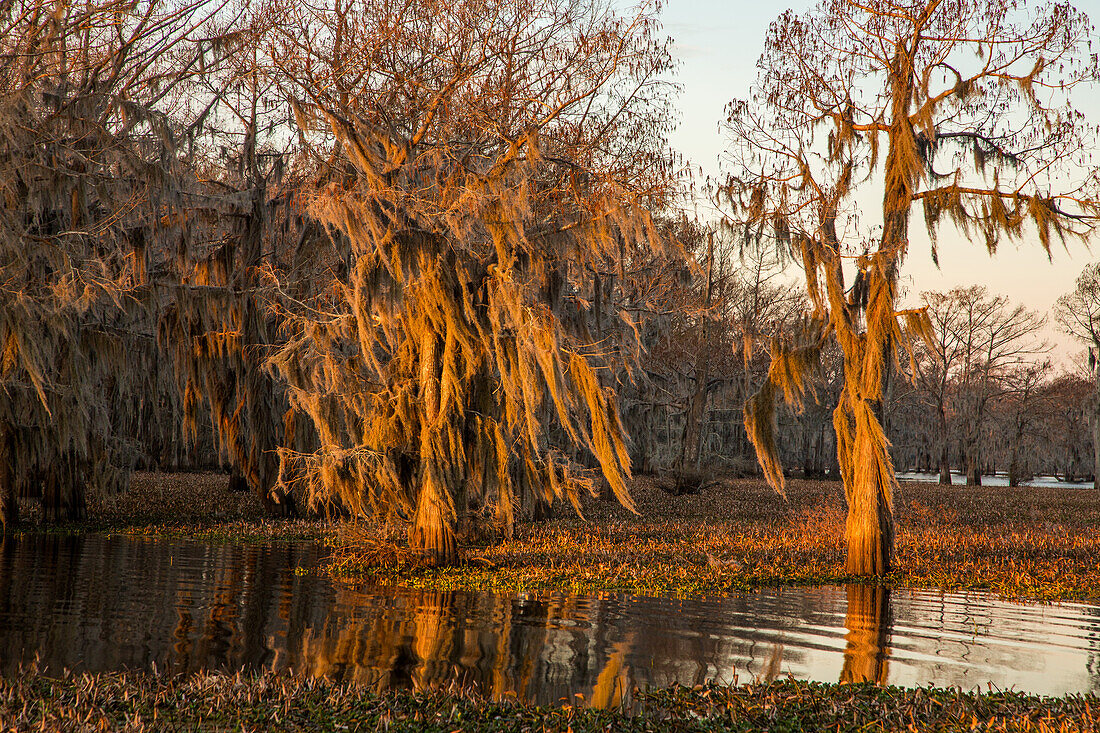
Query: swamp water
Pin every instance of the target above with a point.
(109, 603)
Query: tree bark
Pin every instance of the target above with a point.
(945, 452)
(869, 532)
(973, 470)
(834, 462)
(691, 444)
(433, 528)
(431, 531)
(1014, 473)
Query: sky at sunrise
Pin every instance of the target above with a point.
(718, 43)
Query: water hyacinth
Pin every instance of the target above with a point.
(265, 701)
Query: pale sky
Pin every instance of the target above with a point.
(718, 43)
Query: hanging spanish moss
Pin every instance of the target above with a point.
(442, 366)
(811, 136)
(86, 159)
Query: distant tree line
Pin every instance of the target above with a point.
(981, 396)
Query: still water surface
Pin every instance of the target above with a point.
(109, 603)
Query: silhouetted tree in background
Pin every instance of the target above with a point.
(1078, 313)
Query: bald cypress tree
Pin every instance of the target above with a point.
(474, 165)
(86, 163)
(957, 108)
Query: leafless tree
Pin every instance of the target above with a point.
(979, 341)
(992, 339)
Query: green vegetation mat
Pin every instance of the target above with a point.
(220, 702)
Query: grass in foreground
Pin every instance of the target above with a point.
(737, 535)
(220, 702)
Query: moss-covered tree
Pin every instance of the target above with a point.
(86, 163)
(475, 163)
(957, 108)
(1078, 313)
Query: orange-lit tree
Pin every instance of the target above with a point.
(475, 163)
(958, 108)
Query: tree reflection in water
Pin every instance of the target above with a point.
(868, 637)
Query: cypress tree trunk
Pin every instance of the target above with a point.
(76, 504)
(945, 453)
(834, 462)
(691, 444)
(1014, 461)
(807, 453)
(869, 531)
(433, 528)
(869, 475)
(973, 469)
(868, 478)
(432, 531)
(51, 495)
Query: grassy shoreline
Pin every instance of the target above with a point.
(270, 701)
(1023, 543)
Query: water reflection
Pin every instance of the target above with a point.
(100, 603)
(868, 637)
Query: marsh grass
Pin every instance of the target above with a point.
(268, 701)
(197, 506)
(736, 534)
(1034, 543)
